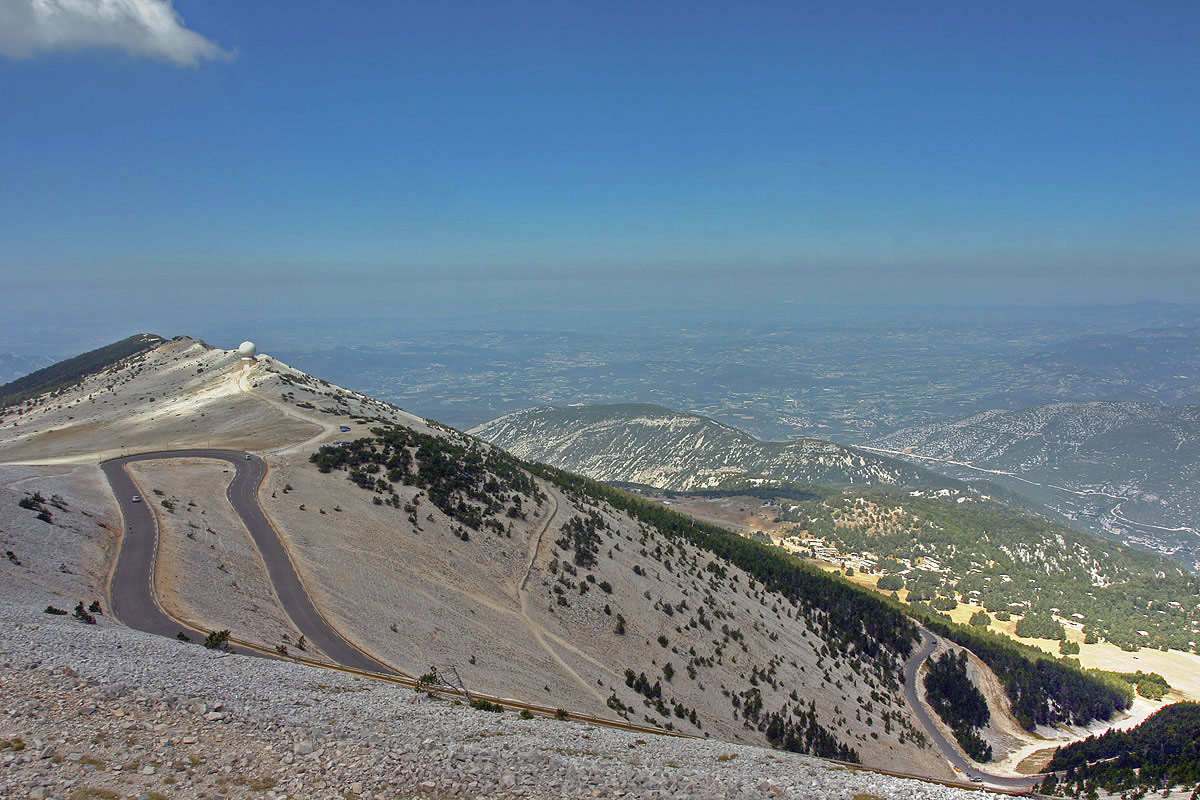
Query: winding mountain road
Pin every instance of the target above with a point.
(912, 686)
(133, 598)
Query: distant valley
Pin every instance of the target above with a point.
(13, 366)
(1128, 469)
(952, 536)
(846, 375)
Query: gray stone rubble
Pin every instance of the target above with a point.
(102, 711)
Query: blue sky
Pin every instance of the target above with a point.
(952, 152)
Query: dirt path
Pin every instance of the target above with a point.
(324, 429)
(537, 542)
(540, 633)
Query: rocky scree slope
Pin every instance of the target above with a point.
(658, 629)
(535, 583)
(102, 711)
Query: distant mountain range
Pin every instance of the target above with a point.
(1151, 364)
(652, 445)
(1130, 468)
(13, 366)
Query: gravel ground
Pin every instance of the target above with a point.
(102, 711)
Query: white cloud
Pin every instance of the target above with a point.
(150, 28)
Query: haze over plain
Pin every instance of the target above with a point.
(206, 167)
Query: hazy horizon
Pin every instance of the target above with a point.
(221, 164)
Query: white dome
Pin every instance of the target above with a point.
(247, 350)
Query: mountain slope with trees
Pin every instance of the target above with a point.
(963, 546)
(652, 445)
(1161, 753)
(425, 546)
(65, 373)
(1115, 466)
(611, 538)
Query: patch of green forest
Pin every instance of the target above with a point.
(958, 702)
(1162, 752)
(71, 371)
(469, 482)
(1009, 560)
(1043, 690)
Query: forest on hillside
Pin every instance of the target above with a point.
(479, 486)
(71, 371)
(1162, 752)
(961, 546)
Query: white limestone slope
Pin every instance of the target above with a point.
(416, 593)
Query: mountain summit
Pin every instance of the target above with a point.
(423, 546)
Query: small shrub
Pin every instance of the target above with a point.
(486, 705)
(217, 640)
(92, 793)
(1151, 689)
(82, 614)
(55, 611)
(32, 501)
(561, 714)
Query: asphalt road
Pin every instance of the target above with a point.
(968, 769)
(131, 591)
